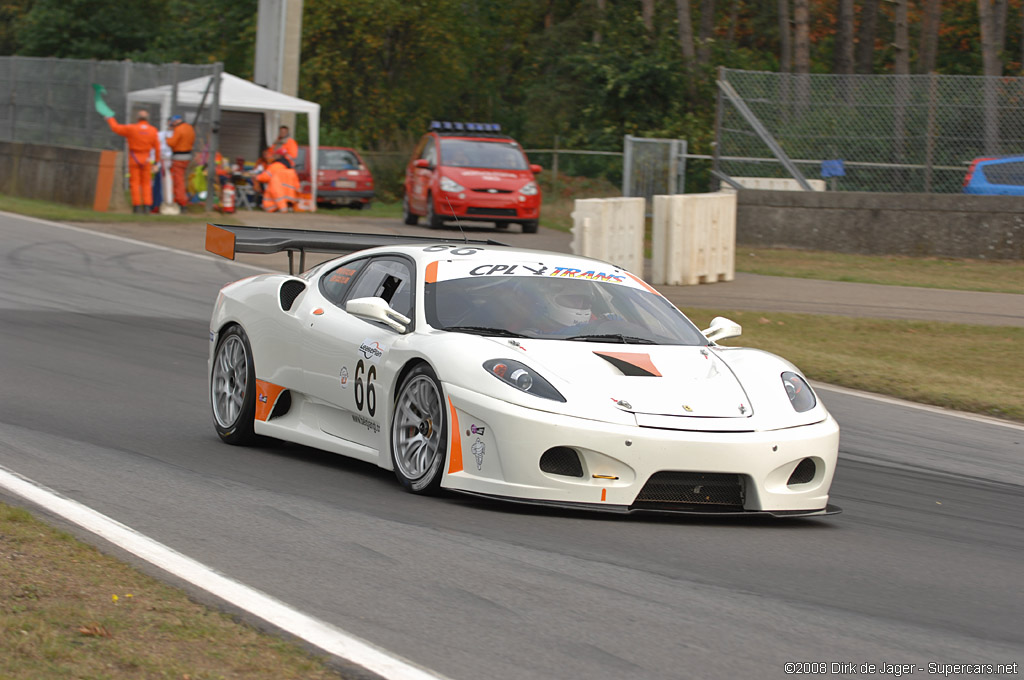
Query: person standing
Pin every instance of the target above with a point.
(286, 146)
(142, 141)
(183, 136)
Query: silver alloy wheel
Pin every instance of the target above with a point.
(416, 431)
(228, 383)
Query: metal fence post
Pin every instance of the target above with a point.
(554, 170)
(627, 165)
(211, 161)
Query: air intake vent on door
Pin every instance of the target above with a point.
(290, 290)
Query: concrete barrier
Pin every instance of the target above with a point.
(84, 178)
(610, 229)
(936, 225)
(694, 239)
(774, 184)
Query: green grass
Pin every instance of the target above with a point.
(68, 611)
(994, 276)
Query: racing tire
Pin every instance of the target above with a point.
(419, 432)
(409, 218)
(233, 388)
(529, 227)
(434, 221)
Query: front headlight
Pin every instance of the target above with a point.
(529, 189)
(800, 394)
(451, 185)
(522, 377)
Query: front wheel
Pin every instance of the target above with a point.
(529, 227)
(434, 220)
(233, 388)
(419, 432)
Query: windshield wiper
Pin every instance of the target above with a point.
(613, 337)
(484, 330)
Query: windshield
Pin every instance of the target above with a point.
(496, 155)
(546, 307)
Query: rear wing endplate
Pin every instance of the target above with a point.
(227, 239)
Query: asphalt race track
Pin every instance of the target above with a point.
(103, 397)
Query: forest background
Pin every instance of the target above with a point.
(586, 71)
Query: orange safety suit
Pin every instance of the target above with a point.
(289, 149)
(142, 138)
(181, 141)
(281, 187)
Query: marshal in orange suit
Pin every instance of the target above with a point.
(142, 138)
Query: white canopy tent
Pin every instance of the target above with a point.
(237, 94)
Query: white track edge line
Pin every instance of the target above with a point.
(125, 239)
(938, 410)
(321, 634)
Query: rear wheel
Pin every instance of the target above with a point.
(419, 432)
(434, 220)
(233, 388)
(410, 218)
(529, 227)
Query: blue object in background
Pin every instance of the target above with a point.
(833, 168)
(996, 176)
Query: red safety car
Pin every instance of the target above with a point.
(471, 172)
(342, 176)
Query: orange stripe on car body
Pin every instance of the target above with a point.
(604, 494)
(266, 396)
(220, 241)
(643, 283)
(455, 455)
(430, 275)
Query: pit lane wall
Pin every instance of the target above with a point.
(937, 225)
(83, 178)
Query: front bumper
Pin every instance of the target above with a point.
(479, 206)
(496, 449)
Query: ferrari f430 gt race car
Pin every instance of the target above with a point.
(522, 375)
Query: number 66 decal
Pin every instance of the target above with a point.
(369, 392)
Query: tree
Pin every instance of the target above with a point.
(929, 36)
(865, 51)
(801, 42)
(647, 15)
(901, 40)
(89, 29)
(706, 31)
(785, 38)
(844, 39)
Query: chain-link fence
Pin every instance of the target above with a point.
(867, 132)
(50, 101)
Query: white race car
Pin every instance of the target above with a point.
(523, 375)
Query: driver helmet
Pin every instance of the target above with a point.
(569, 307)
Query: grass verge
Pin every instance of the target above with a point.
(69, 611)
(963, 367)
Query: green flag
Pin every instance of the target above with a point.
(101, 106)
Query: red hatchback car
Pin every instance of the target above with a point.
(343, 178)
(471, 172)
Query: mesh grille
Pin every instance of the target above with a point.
(289, 291)
(803, 473)
(561, 460)
(711, 490)
(504, 212)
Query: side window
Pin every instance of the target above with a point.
(389, 278)
(337, 282)
(430, 152)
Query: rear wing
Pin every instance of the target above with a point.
(226, 240)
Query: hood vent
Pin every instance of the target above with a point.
(632, 364)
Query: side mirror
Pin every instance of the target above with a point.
(376, 309)
(722, 328)
(535, 169)
(421, 163)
